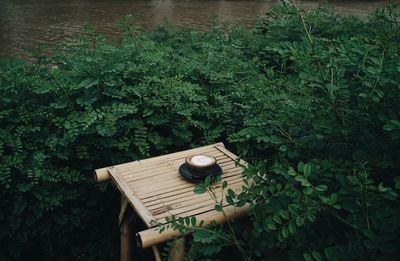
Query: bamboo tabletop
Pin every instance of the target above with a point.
(156, 190)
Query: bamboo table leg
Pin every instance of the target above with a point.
(125, 242)
(177, 250)
(156, 252)
(126, 218)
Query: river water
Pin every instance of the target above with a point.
(24, 23)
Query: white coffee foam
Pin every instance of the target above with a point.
(201, 160)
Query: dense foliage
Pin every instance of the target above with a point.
(324, 129)
(310, 98)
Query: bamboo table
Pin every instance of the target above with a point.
(155, 190)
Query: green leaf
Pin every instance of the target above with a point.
(292, 227)
(210, 250)
(292, 172)
(285, 232)
(307, 257)
(392, 125)
(277, 219)
(231, 194)
(218, 208)
(382, 188)
(200, 189)
(304, 182)
(204, 236)
(321, 188)
(300, 178)
(308, 191)
(284, 214)
(207, 182)
(280, 237)
(292, 209)
(307, 170)
(397, 182)
(300, 166)
(330, 255)
(299, 221)
(337, 206)
(316, 255)
(230, 200)
(333, 199)
(271, 226)
(87, 83)
(240, 203)
(193, 221)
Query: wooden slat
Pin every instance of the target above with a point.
(190, 210)
(169, 174)
(190, 201)
(176, 179)
(196, 204)
(189, 195)
(149, 193)
(231, 155)
(151, 167)
(183, 153)
(174, 183)
(142, 166)
(193, 205)
(161, 219)
(177, 194)
(145, 175)
(174, 164)
(205, 211)
(141, 210)
(169, 178)
(167, 157)
(171, 166)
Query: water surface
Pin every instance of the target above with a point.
(25, 23)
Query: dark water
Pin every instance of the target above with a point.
(26, 22)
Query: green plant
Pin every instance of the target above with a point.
(206, 240)
(95, 103)
(322, 134)
(310, 98)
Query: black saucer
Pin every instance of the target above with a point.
(197, 175)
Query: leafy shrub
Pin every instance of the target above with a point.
(95, 103)
(323, 133)
(310, 98)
